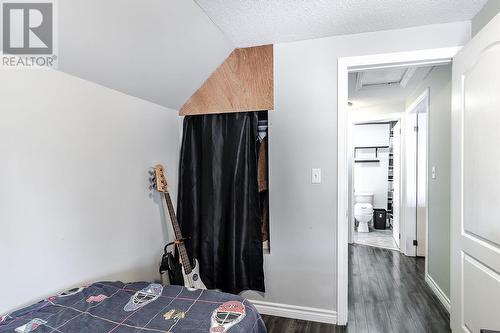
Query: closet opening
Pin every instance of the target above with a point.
(263, 177)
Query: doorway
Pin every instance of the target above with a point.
(373, 182)
(388, 184)
(345, 199)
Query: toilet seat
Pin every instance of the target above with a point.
(363, 208)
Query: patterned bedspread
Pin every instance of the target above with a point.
(136, 307)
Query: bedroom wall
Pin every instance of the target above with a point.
(439, 156)
(301, 268)
(74, 200)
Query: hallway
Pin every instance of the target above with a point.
(388, 293)
(377, 238)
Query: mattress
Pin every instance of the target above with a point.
(136, 307)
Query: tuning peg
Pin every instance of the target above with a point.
(151, 172)
(152, 179)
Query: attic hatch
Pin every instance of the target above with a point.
(385, 77)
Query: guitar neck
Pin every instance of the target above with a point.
(186, 263)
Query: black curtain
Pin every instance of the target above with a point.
(218, 201)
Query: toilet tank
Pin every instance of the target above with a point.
(360, 197)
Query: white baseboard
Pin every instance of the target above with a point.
(438, 292)
(296, 312)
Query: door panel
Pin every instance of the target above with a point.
(476, 273)
(475, 227)
(410, 169)
(481, 151)
(422, 181)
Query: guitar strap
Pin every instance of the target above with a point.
(170, 264)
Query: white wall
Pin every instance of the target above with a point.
(74, 200)
(371, 135)
(439, 156)
(372, 177)
(377, 112)
(301, 269)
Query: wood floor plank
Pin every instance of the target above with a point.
(278, 324)
(387, 293)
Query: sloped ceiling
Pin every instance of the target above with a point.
(157, 50)
(259, 22)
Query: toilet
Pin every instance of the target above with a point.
(363, 210)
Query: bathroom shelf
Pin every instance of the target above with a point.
(370, 147)
(366, 161)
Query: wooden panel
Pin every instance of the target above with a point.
(244, 82)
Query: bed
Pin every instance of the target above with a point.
(136, 307)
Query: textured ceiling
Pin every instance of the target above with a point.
(157, 50)
(258, 22)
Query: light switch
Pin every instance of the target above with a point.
(433, 172)
(316, 176)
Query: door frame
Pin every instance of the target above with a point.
(419, 57)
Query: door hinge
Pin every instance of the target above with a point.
(415, 242)
(415, 128)
(399, 236)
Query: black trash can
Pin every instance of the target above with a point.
(379, 218)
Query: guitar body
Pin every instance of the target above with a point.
(192, 280)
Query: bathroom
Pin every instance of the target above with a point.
(373, 179)
(388, 153)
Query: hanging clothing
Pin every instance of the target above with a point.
(218, 200)
(262, 179)
(264, 216)
(262, 166)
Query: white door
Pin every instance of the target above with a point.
(422, 180)
(414, 174)
(409, 229)
(475, 199)
(396, 172)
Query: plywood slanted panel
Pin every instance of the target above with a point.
(244, 82)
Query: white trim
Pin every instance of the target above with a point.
(407, 76)
(427, 165)
(438, 292)
(344, 64)
(425, 94)
(295, 312)
(359, 81)
(343, 224)
(409, 229)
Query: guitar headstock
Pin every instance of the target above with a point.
(160, 182)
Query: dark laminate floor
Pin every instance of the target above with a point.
(387, 294)
(285, 325)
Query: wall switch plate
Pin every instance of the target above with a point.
(433, 172)
(316, 176)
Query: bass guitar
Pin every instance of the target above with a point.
(190, 269)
